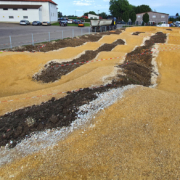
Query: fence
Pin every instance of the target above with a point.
(30, 39)
(9, 42)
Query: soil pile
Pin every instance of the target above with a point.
(58, 113)
(137, 33)
(55, 70)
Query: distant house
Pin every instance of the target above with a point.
(92, 16)
(31, 10)
(154, 17)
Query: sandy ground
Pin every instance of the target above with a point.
(135, 138)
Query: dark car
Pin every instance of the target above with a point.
(36, 23)
(77, 21)
(63, 23)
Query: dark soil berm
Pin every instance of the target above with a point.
(55, 70)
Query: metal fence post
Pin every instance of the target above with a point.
(95, 29)
(10, 41)
(105, 28)
(49, 37)
(72, 33)
(81, 32)
(89, 30)
(62, 34)
(32, 40)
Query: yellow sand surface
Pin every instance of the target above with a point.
(135, 138)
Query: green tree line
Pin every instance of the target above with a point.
(123, 10)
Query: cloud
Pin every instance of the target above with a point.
(80, 3)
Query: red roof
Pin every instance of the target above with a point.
(33, 1)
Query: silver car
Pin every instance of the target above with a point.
(177, 24)
(46, 23)
(24, 22)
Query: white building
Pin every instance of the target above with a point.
(92, 16)
(31, 10)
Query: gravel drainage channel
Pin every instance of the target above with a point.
(67, 42)
(20, 124)
(54, 71)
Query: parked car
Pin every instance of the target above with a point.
(163, 25)
(177, 24)
(24, 22)
(76, 21)
(36, 23)
(70, 21)
(172, 25)
(46, 23)
(63, 23)
(80, 24)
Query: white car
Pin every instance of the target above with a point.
(24, 22)
(70, 21)
(163, 25)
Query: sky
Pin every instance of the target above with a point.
(78, 7)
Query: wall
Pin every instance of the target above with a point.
(53, 12)
(91, 16)
(158, 17)
(33, 14)
(42, 14)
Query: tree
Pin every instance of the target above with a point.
(177, 14)
(133, 17)
(125, 16)
(142, 8)
(92, 12)
(59, 14)
(146, 18)
(118, 7)
(103, 15)
(86, 14)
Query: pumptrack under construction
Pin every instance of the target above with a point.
(107, 109)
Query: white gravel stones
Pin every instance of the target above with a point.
(48, 138)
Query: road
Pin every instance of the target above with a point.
(16, 35)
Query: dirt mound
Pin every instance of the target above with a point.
(58, 113)
(55, 70)
(68, 42)
(137, 33)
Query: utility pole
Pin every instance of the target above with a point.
(98, 12)
(75, 13)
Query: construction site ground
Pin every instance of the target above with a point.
(115, 116)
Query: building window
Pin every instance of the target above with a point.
(25, 17)
(153, 16)
(162, 16)
(15, 9)
(24, 9)
(5, 9)
(11, 17)
(139, 16)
